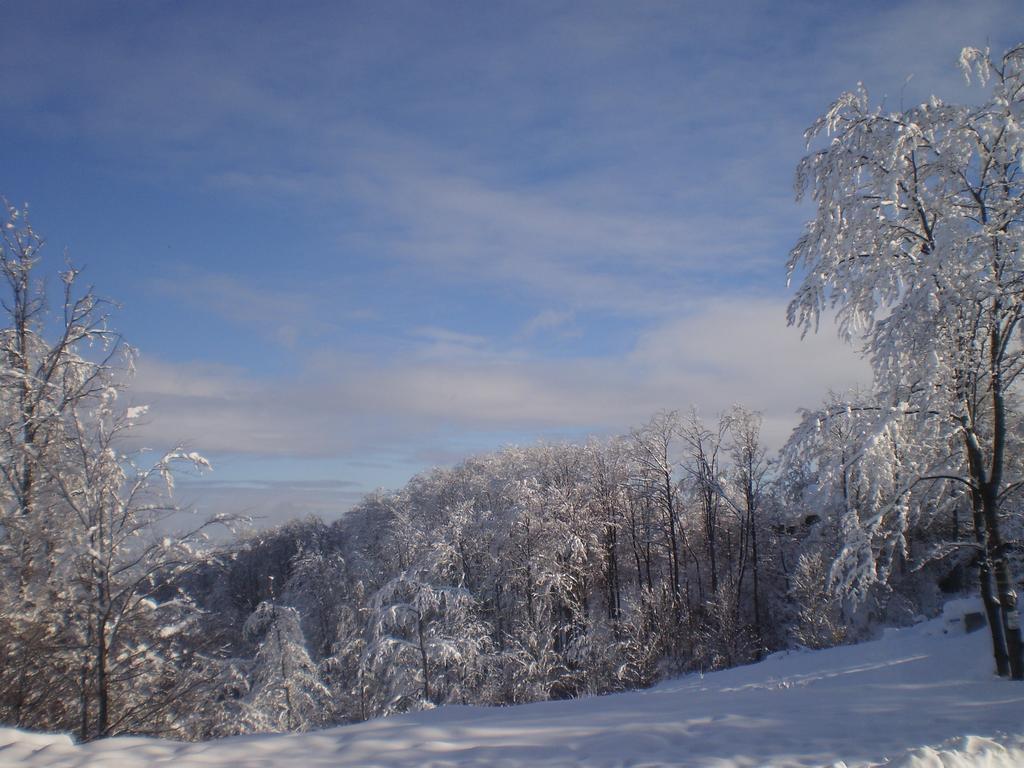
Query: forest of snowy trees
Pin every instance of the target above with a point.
(556, 570)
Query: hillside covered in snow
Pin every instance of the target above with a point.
(923, 696)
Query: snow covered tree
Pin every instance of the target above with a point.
(316, 588)
(92, 617)
(427, 643)
(42, 380)
(122, 572)
(609, 471)
(703, 448)
(343, 671)
(654, 447)
(286, 692)
(918, 245)
(748, 486)
(863, 476)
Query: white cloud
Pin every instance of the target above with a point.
(563, 242)
(742, 352)
(444, 344)
(278, 315)
(561, 322)
(738, 351)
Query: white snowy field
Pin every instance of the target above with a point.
(917, 697)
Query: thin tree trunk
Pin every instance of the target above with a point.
(673, 544)
(423, 658)
(102, 693)
(754, 566)
(987, 589)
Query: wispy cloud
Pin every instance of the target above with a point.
(276, 314)
(552, 320)
(711, 359)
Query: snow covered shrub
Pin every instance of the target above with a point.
(819, 611)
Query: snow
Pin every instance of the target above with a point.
(137, 412)
(919, 698)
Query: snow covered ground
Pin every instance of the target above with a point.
(917, 697)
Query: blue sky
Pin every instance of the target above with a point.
(353, 240)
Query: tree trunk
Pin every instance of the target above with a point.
(754, 567)
(1006, 638)
(1008, 618)
(673, 543)
(102, 692)
(423, 658)
(987, 589)
(990, 497)
(83, 701)
(612, 573)
(711, 527)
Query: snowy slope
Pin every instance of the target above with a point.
(917, 697)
